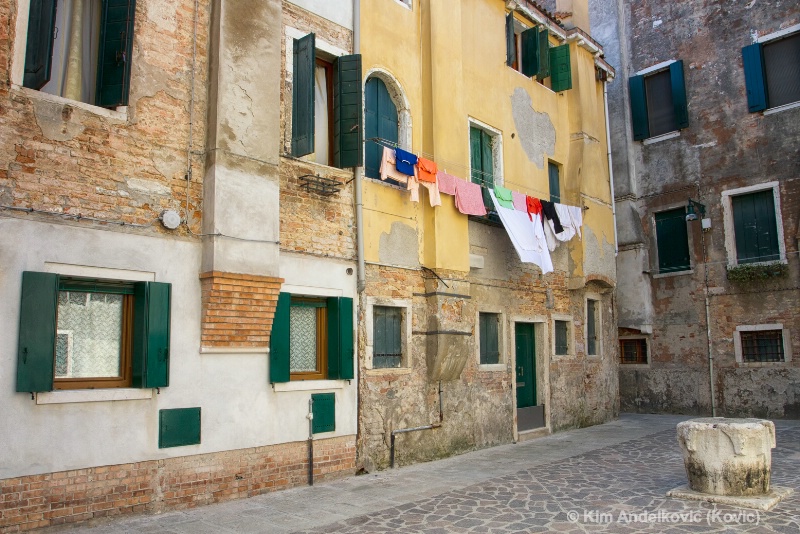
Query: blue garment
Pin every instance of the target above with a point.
(405, 161)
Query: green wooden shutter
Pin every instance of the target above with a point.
(37, 331)
(381, 121)
(672, 241)
(475, 158)
(511, 45)
(151, 333)
(39, 51)
(178, 427)
(340, 338)
(489, 343)
(303, 96)
(114, 56)
(486, 157)
(561, 69)
(679, 94)
(544, 54)
(755, 227)
(348, 124)
(279, 340)
(555, 183)
(530, 52)
(591, 327)
(753, 60)
(641, 125)
(323, 408)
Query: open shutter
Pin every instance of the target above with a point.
(114, 56)
(348, 124)
(39, 51)
(530, 52)
(511, 46)
(544, 54)
(561, 75)
(641, 127)
(340, 338)
(279, 340)
(475, 159)
(303, 96)
(753, 60)
(37, 331)
(151, 332)
(679, 94)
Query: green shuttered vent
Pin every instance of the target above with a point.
(324, 411)
(178, 427)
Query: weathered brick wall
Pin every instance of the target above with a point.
(237, 309)
(64, 158)
(170, 484)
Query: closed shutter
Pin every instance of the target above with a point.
(672, 241)
(39, 51)
(348, 126)
(387, 346)
(114, 57)
(755, 227)
(641, 128)
(486, 158)
(544, 55)
(555, 184)
(279, 340)
(380, 121)
(530, 52)
(679, 102)
(591, 327)
(303, 96)
(511, 48)
(489, 339)
(37, 332)
(340, 338)
(475, 158)
(561, 69)
(754, 79)
(151, 333)
(323, 408)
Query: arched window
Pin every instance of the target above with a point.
(381, 121)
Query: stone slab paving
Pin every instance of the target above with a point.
(608, 478)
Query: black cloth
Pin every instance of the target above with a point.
(549, 210)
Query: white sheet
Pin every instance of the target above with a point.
(527, 236)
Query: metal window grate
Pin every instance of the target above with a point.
(632, 351)
(762, 346)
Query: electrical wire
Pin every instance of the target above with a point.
(78, 217)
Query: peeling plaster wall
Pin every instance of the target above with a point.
(724, 148)
(535, 130)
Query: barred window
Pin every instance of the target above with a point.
(762, 346)
(632, 351)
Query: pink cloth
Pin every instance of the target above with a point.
(389, 170)
(519, 201)
(447, 183)
(469, 199)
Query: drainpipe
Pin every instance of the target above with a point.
(610, 169)
(361, 276)
(708, 321)
(416, 428)
(310, 418)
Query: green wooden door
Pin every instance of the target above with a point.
(526, 365)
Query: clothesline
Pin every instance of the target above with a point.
(392, 144)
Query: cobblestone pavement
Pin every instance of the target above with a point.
(609, 478)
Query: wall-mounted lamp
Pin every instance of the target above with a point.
(690, 213)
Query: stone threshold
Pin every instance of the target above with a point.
(764, 503)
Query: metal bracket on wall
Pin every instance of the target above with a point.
(320, 185)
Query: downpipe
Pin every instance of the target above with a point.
(415, 429)
(611, 170)
(310, 418)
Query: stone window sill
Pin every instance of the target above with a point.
(784, 107)
(493, 367)
(70, 396)
(308, 385)
(120, 113)
(663, 137)
(675, 273)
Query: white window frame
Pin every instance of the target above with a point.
(636, 365)
(737, 344)
(502, 363)
(497, 148)
(570, 335)
(405, 329)
(649, 71)
(598, 325)
(730, 234)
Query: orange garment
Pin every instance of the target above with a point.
(534, 206)
(427, 170)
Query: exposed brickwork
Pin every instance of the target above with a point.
(237, 309)
(171, 484)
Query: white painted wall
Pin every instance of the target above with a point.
(338, 11)
(240, 409)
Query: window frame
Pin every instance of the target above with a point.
(502, 359)
(321, 372)
(640, 109)
(405, 331)
(551, 165)
(321, 61)
(628, 365)
(598, 324)
(739, 352)
(568, 319)
(754, 63)
(728, 220)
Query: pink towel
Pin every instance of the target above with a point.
(469, 199)
(519, 201)
(447, 183)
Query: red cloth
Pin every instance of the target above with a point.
(534, 206)
(427, 170)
